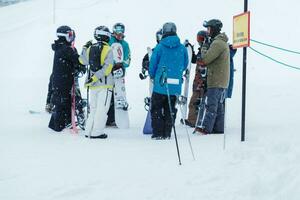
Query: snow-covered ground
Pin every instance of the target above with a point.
(36, 163)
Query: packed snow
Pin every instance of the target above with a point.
(39, 164)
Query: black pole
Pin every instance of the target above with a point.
(244, 83)
(171, 113)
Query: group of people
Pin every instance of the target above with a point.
(212, 84)
(96, 58)
(166, 67)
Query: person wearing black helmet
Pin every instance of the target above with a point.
(146, 60)
(99, 57)
(217, 60)
(65, 65)
(118, 36)
(168, 62)
(199, 83)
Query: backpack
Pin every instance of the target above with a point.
(95, 56)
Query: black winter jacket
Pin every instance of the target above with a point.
(64, 65)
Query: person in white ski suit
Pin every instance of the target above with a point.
(100, 81)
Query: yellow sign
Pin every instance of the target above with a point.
(241, 30)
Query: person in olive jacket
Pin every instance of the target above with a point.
(216, 58)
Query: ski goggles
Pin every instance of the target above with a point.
(101, 32)
(119, 29)
(70, 35)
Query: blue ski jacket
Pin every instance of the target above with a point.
(126, 50)
(230, 85)
(168, 62)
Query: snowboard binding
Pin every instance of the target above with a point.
(118, 73)
(122, 104)
(143, 74)
(181, 100)
(147, 101)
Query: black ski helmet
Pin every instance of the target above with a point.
(119, 28)
(158, 35)
(215, 25)
(65, 33)
(102, 33)
(169, 28)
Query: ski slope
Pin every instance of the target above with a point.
(36, 163)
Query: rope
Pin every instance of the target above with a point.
(283, 49)
(287, 65)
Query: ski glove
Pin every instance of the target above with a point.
(91, 81)
(88, 44)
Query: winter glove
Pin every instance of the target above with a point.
(91, 81)
(88, 44)
(200, 62)
(146, 65)
(81, 69)
(118, 66)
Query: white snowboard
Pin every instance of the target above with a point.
(120, 101)
(186, 83)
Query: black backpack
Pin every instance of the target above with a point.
(95, 56)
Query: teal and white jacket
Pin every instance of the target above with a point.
(126, 50)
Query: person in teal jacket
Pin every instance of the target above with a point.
(168, 62)
(118, 37)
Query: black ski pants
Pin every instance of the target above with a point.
(111, 111)
(61, 115)
(161, 114)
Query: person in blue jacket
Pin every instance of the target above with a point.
(168, 62)
(118, 37)
(231, 77)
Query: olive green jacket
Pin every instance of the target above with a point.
(217, 60)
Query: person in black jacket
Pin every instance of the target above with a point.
(65, 65)
(146, 59)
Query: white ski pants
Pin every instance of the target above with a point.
(99, 105)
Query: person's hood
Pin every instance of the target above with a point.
(221, 36)
(170, 41)
(58, 44)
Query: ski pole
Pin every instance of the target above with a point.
(87, 94)
(225, 123)
(171, 113)
(187, 133)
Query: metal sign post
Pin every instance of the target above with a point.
(241, 38)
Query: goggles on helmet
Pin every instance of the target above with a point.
(70, 35)
(101, 32)
(119, 29)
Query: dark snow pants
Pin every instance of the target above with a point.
(161, 115)
(111, 111)
(50, 91)
(61, 115)
(211, 115)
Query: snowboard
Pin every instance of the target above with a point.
(73, 107)
(120, 101)
(147, 126)
(184, 97)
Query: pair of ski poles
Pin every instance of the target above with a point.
(165, 82)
